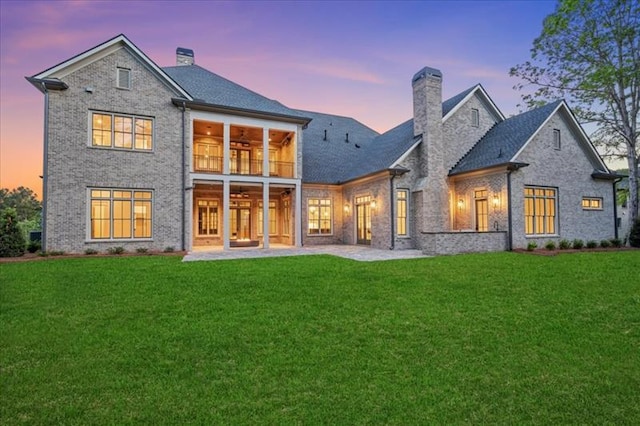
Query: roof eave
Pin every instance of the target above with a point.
(509, 166)
(205, 106)
(43, 84)
(599, 174)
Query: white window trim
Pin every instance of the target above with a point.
(592, 208)
(475, 117)
(88, 238)
(557, 139)
(118, 71)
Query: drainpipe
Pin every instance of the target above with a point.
(509, 213)
(392, 210)
(45, 169)
(184, 186)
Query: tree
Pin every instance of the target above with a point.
(12, 243)
(589, 54)
(23, 200)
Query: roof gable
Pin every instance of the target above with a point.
(451, 105)
(98, 52)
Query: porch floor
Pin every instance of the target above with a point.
(353, 252)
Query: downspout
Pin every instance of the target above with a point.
(45, 169)
(184, 186)
(615, 208)
(392, 210)
(509, 213)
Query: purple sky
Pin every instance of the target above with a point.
(346, 58)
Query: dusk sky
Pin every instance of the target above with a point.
(346, 58)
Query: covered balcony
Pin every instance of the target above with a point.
(245, 154)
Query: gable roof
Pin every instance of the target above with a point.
(211, 89)
(504, 142)
(51, 76)
(451, 105)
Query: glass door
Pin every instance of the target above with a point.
(363, 220)
(240, 212)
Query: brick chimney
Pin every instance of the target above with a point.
(184, 56)
(427, 122)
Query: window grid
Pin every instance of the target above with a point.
(482, 210)
(319, 215)
(207, 217)
(273, 219)
(540, 210)
(120, 131)
(592, 203)
(123, 78)
(120, 214)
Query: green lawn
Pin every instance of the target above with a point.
(488, 338)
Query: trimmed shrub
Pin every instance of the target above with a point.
(33, 246)
(55, 253)
(550, 245)
(605, 243)
(142, 250)
(12, 242)
(532, 246)
(116, 250)
(634, 235)
(578, 244)
(169, 249)
(564, 244)
(90, 251)
(616, 242)
(592, 244)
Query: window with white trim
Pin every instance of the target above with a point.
(121, 131)
(273, 219)
(207, 217)
(540, 206)
(557, 143)
(475, 117)
(402, 220)
(591, 203)
(123, 78)
(120, 214)
(319, 216)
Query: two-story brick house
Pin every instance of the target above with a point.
(136, 155)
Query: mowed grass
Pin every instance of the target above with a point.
(487, 338)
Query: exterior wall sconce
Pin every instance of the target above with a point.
(373, 204)
(496, 201)
(460, 203)
(346, 208)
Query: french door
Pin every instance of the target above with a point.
(363, 220)
(240, 212)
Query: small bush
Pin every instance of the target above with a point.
(634, 235)
(616, 242)
(169, 249)
(578, 244)
(34, 246)
(592, 244)
(55, 253)
(532, 246)
(605, 243)
(564, 244)
(116, 250)
(90, 251)
(142, 250)
(550, 245)
(12, 242)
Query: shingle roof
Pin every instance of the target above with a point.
(216, 90)
(501, 143)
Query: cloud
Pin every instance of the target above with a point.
(339, 70)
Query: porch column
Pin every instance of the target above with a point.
(265, 215)
(226, 212)
(298, 225)
(226, 149)
(265, 152)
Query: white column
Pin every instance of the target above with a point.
(265, 152)
(298, 225)
(226, 147)
(226, 214)
(265, 215)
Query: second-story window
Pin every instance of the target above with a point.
(475, 117)
(556, 139)
(123, 78)
(121, 131)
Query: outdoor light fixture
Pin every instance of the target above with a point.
(496, 201)
(460, 203)
(373, 204)
(346, 208)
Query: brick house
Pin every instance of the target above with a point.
(136, 155)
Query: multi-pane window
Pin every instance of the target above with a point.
(121, 131)
(475, 117)
(207, 217)
(273, 219)
(286, 217)
(120, 214)
(592, 203)
(123, 78)
(402, 196)
(319, 216)
(556, 139)
(540, 210)
(482, 210)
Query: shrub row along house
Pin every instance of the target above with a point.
(141, 156)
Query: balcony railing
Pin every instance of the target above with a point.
(208, 164)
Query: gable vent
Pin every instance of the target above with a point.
(124, 78)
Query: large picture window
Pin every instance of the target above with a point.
(540, 210)
(319, 215)
(402, 196)
(120, 214)
(121, 131)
